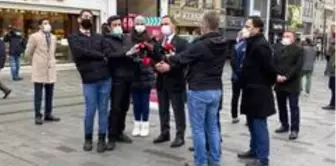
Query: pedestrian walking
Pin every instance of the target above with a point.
(143, 81)
(330, 72)
(171, 86)
(3, 87)
(41, 50)
(119, 50)
(308, 65)
(92, 65)
(258, 75)
(17, 45)
(236, 63)
(289, 67)
(205, 60)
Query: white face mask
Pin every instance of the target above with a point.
(245, 33)
(47, 28)
(117, 30)
(286, 41)
(140, 28)
(166, 30)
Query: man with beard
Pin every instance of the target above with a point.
(258, 75)
(171, 86)
(93, 68)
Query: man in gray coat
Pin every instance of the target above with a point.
(308, 64)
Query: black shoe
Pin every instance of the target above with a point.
(191, 149)
(7, 94)
(87, 145)
(38, 121)
(256, 163)
(124, 139)
(18, 79)
(281, 130)
(111, 145)
(329, 107)
(293, 135)
(162, 138)
(235, 120)
(101, 145)
(246, 155)
(178, 142)
(51, 118)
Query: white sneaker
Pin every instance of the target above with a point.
(144, 129)
(136, 129)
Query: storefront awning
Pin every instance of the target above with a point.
(153, 21)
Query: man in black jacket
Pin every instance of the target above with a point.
(258, 75)
(3, 87)
(17, 45)
(205, 61)
(122, 67)
(289, 65)
(171, 86)
(87, 51)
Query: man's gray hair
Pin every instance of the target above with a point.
(211, 18)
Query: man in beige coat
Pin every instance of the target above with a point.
(41, 50)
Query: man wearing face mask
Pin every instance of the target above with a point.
(41, 49)
(171, 86)
(258, 75)
(289, 67)
(87, 51)
(118, 48)
(17, 45)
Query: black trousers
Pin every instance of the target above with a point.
(293, 98)
(177, 100)
(49, 92)
(236, 91)
(120, 102)
(332, 88)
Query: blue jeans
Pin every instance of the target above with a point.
(203, 115)
(97, 97)
(141, 104)
(15, 66)
(259, 142)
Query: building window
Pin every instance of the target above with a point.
(234, 7)
(141, 7)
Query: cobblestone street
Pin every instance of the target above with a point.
(60, 144)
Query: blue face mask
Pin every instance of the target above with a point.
(117, 31)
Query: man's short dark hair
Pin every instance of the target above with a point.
(85, 11)
(211, 18)
(257, 22)
(113, 18)
(40, 21)
(172, 19)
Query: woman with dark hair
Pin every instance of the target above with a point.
(143, 81)
(105, 29)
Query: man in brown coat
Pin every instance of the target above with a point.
(41, 50)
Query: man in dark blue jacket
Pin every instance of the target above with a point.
(93, 68)
(17, 45)
(3, 87)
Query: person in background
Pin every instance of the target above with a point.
(331, 73)
(3, 87)
(118, 48)
(205, 59)
(258, 75)
(143, 81)
(308, 65)
(41, 50)
(17, 45)
(105, 29)
(92, 65)
(319, 55)
(289, 67)
(171, 86)
(236, 64)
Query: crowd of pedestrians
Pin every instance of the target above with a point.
(116, 67)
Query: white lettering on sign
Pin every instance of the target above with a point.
(189, 15)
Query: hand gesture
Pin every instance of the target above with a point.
(133, 50)
(281, 79)
(162, 67)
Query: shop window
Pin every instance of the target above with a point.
(234, 7)
(63, 25)
(142, 7)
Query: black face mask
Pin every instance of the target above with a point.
(86, 23)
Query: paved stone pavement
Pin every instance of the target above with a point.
(60, 144)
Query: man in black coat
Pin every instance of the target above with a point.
(118, 48)
(258, 75)
(289, 64)
(3, 87)
(171, 86)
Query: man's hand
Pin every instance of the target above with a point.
(133, 50)
(162, 67)
(281, 79)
